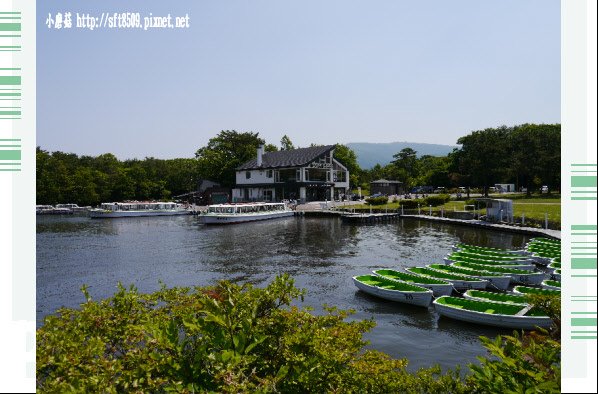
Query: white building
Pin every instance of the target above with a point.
(498, 210)
(305, 174)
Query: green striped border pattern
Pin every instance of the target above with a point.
(583, 182)
(584, 251)
(584, 323)
(10, 93)
(10, 28)
(10, 155)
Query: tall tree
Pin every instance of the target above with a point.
(286, 143)
(224, 153)
(484, 156)
(405, 167)
(347, 157)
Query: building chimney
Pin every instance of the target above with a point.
(260, 152)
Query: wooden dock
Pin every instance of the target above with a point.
(369, 218)
(555, 234)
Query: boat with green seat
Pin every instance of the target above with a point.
(556, 275)
(393, 290)
(459, 282)
(503, 259)
(487, 250)
(525, 267)
(544, 240)
(498, 314)
(553, 266)
(535, 290)
(438, 287)
(508, 298)
(496, 280)
(551, 285)
(454, 258)
(517, 276)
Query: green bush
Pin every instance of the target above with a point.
(411, 204)
(377, 200)
(226, 338)
(523, 363)
(520, 364)
(437, 200)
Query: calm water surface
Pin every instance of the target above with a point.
(322, 255)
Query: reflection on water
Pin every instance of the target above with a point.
(321, 254)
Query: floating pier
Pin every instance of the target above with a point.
(367, 218)
(554, 234)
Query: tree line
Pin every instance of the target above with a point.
(527, 155)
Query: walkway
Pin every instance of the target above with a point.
(493, 226)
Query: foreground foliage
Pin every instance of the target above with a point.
(227, 338)
(232, 338)
(529, 363)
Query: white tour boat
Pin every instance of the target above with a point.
(138, 208)
(244, 212)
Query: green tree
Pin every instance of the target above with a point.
(484, 156)
(224, 153)
(286, 143)
(405, 167)
(347, 157)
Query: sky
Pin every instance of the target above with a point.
(320, 72)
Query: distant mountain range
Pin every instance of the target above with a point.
(370, 154)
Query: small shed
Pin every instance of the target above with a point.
(386, 187)
(498, 210)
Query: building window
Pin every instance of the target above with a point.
(298, 175)
(247, 174)
(268, 173)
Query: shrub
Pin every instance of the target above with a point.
(377, 200)
(520, 364)
(523, 363)
(411, 204)
(436, 200)
(225, 338)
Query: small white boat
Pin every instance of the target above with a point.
(138, 208)
(551, 285)
(535, 290)
(517, 276)
(73, 207)
(499, 281)
(556, 275)
(50, 210)
(393, 290)
(497, 314)
(508, 298)
(459, 282)
(438, 287)
(244, 212)
(489, 251)
(529, 266)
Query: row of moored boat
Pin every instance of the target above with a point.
(482, 275)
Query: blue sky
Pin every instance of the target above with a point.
(319, 71)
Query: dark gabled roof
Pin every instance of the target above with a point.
(288, 158)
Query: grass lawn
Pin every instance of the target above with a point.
(533, 208)
(537, 210)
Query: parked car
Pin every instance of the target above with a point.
(440, 190)
(544, 189)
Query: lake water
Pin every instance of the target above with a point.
(322, 254)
